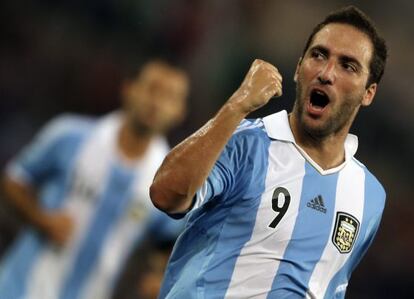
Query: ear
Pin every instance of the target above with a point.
(295, 77)
(369, 95)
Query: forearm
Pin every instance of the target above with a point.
(22, 198)
(187, 166)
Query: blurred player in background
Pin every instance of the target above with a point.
(279, 207)
(82, 186)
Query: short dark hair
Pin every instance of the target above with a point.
(351, 15)
(133, 69)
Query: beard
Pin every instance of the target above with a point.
(340, 116)
(139, 128)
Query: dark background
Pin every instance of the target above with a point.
(60, 56)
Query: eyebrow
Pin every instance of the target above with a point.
(342, 58)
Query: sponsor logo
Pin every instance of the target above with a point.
(317, 204)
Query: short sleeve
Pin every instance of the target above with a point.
(233, 171)
(38, 159)
(164, 229)
(219, 181)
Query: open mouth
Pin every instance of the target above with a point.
(319, 99)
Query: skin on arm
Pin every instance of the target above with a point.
(187, 166)
(57, 226)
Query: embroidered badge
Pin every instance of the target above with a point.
(345, 232)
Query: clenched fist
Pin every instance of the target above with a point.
(262, 82)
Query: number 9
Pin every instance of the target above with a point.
(275, 205)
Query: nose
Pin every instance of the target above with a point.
(327, 74)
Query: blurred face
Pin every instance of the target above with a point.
(155, 100)
(331, 80)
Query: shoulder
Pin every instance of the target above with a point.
(65, 126)
(374, 190)
(250, 127)
(250, 134)
(55, 143)
(248, 143)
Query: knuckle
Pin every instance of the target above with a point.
(257, 61)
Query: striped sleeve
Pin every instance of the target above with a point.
(226, 172)
(37, 160)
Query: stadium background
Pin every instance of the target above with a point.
(60, 56)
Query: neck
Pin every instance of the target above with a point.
(327, 151)
(131, 143)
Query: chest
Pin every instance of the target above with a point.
(301, 205)
(98, 182)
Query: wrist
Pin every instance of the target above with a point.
(237, 107)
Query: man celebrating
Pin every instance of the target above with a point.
(279, 207)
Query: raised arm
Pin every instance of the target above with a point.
(188, 164)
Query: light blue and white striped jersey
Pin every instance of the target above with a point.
(270, 223)
(75, 165)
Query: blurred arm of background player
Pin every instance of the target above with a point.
(57, 226)
(177, 180)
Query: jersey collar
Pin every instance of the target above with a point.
(277, 127)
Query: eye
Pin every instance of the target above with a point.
(317, 54)
(350, 67)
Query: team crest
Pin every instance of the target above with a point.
(346, 232)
